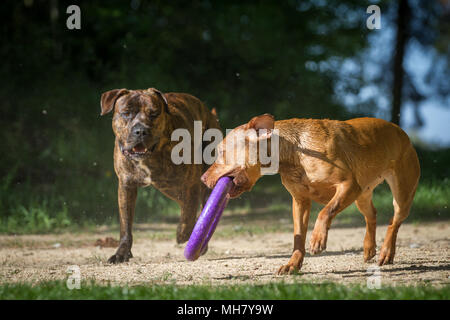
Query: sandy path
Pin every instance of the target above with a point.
(423, 256)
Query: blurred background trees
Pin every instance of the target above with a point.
(290, 58)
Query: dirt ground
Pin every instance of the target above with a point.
(423, 256)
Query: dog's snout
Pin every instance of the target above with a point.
(140, 131)
(204, 178)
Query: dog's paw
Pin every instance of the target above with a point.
(369, 253)
(184, 232)
(318, 242)
(119, 257)
(294, 264)
(289, 268)
(386, 256)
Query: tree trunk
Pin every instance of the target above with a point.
(403, 16)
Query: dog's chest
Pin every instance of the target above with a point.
(143, 174)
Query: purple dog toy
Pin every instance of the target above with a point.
(208, 220)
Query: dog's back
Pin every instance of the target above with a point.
(188, 109)
(370, 148)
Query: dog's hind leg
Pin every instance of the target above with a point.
(365, 206)
(403, 183)
(346, 193)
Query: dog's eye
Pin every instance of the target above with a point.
(126, 114)
(153, 115)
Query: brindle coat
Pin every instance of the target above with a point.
(143, 122)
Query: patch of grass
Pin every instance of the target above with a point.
(272, 291)
(272, 206)
(35, 219)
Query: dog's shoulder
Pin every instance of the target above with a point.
(189, 108)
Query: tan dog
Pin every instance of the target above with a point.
(143, 122)
(334, 163)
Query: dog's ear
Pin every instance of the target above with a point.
(109, 99)
(263, 125)
(161, 96)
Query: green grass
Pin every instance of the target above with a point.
(303, 291)
(268, 201)
(36, 219)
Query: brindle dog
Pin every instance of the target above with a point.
(143, 122)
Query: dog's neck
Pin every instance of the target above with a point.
(171, 122)
(286, 154)
(289, 150)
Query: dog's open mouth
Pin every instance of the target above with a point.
(138, 151)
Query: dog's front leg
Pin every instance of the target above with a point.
(301, 208)
(190, 202)
(127, 201)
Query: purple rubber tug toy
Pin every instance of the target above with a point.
(208, 220)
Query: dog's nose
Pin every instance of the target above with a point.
(139, 131)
